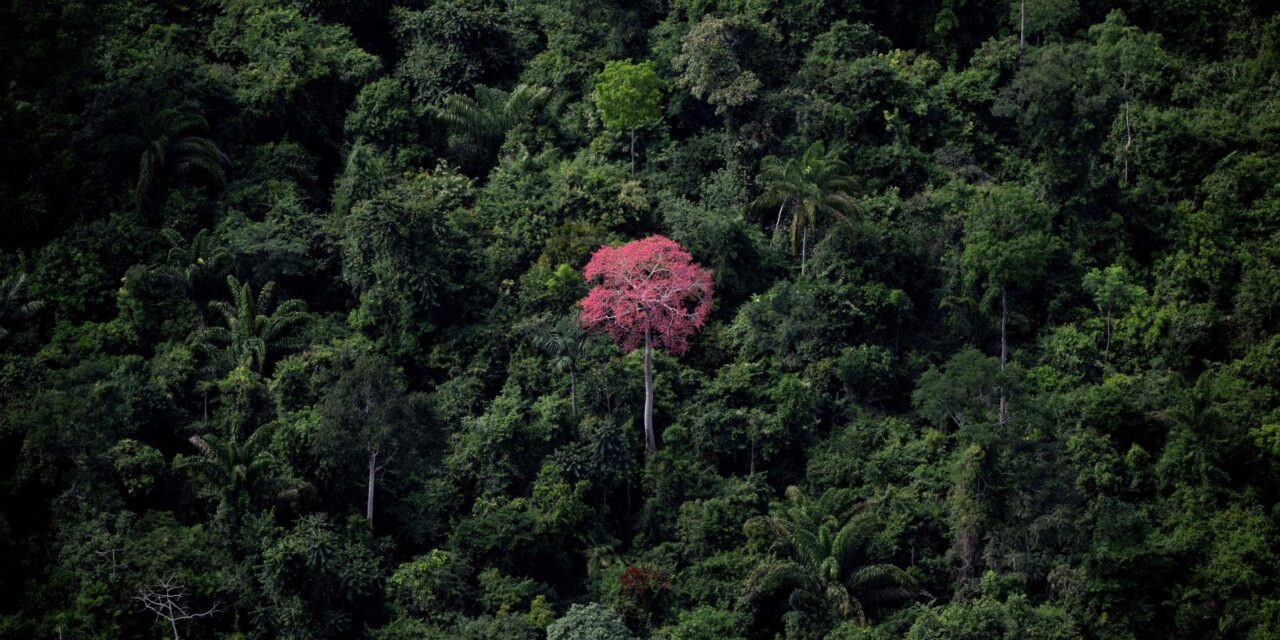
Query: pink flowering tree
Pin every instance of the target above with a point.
(648, 292)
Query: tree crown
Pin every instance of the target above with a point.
(629, 94)
(647, 286)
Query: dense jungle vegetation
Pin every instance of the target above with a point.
(319, 319)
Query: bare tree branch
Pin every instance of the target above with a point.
(166, 598)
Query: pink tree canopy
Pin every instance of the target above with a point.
(647, 286)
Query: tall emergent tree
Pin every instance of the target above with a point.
(629, 96)
(1006, 244)
(816, 183)
(650, 291)
(366, 409)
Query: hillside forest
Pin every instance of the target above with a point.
(656, 319)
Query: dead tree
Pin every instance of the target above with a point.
(165, 598)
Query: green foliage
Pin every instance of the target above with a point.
(1005, 240)
(589, 622)
(253, 327)
(704, 623)
(709, 67)
(821, 559)
(629, 95)
(384, 114)
(319, 581)
(272, 268)
(391, 240)
(451, 46)
(277, 51)
(477, 125)
(995, 615)
(137, 465)
(430, 586)
(15, 306)
(175, 148)
(813, 185)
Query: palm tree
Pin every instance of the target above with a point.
(175, 148)
(252, 328)
(816, 183)
(191, 263)
(233, 471)
(563, 342)
(821, 559)
(14, 305)
(477, 125)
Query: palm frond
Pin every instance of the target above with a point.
(879, 576)
(479, 123)
(773, 576)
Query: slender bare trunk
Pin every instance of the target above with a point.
(1022, 30)
(633, 152)
(804, 247)
(1004, 350)
(1106, 349)
(778, 223)
(573, 389)
(173, 624)
(650, 442)
(968, 553)
(373, 471)
(1128, 141)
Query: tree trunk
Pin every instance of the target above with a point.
(650, 442)
(1004, 350)
(373, 470)
(1106, 350)
(778, 223)
(804, 248)
(1128, 141)
(967, 552)
(633, 153)
(173, 624)
(573, 389)
(1022, 30)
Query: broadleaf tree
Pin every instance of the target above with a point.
(650, 292)
(629, 96)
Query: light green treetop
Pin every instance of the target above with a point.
(629, 94)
